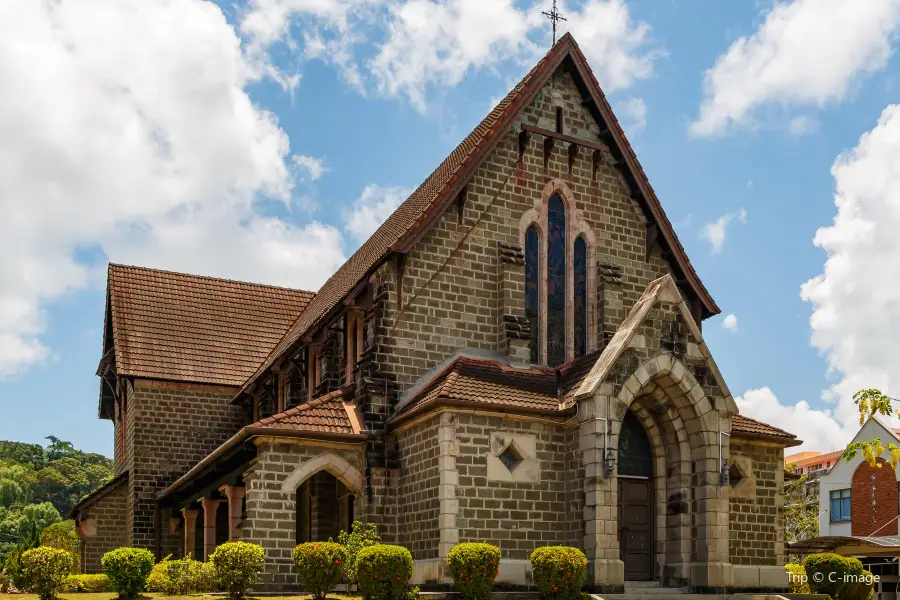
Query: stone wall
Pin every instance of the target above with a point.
(171, 427)
(756, 505)
(518, 514)
(418, 504)
(271, 516)
(453, 286)
(104, 518)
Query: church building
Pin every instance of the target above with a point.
(515, 356)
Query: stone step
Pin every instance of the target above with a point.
(652, 589)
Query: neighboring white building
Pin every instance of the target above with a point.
(851, 502)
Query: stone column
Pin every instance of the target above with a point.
(606, 569)
(449, 480)
(190, 529)
(209, 526)
(711, 571)
(235, 495)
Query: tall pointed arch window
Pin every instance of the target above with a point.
(579, 272)
(559, 276)
(532, 289)
(556, 281)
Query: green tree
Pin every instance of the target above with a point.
(872, 402)
(30, 454)
(801, 508)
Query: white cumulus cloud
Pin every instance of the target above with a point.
(375, 204)
(428, 44)
(716, 232)
(818, 429)
(855, 301)
(730, 322)
(806, 53)
(126, 128)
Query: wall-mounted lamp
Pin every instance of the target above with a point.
(610, 462)
(723, 474)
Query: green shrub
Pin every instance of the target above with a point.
(44, 569)
(87, 583)
(319, 565)
(827, 572)
(797, 582)
(558, 572)
(861, 586)
(384, 571)
(128, 569)
(205, 579)
(62, 535)
(359, 537)
(474, 567)
(237, 566)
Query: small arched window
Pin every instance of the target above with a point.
(556, 281)
(579, 271)
(532, 289)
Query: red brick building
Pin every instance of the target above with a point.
(515, 356)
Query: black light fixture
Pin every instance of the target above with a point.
(723, 474)
(610, 462)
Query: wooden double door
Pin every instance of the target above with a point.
(636, 498)
(636, 528)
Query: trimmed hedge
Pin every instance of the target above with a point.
(319, 565)
(128, 569)
(558, 572)
(797, 581)
(87, 583)
(474, 567)
(44, 569)
(182, 576)
(237, 566)
(861, 589)
(383, 571)
(839, 577)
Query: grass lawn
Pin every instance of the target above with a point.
(111, 596)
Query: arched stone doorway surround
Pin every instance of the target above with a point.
(691, 516)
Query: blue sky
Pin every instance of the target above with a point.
(263, 141)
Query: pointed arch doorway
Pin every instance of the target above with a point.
(636, 498)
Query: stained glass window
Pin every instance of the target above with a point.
(579, 261)
(634, 448)
(532, 279)
(556, 281)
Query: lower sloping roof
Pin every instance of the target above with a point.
(491, 384)
(746, 427)
(487, 383)
(326, 414)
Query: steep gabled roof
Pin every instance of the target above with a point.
(180, 327)
(424, 207)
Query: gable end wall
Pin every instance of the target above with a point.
(452, 276)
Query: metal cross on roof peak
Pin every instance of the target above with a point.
(554, 16)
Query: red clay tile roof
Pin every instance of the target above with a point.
(752, 428)
(488, 382)
(538, 389)
(427, 203)
(328, 413)
(189, 328)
